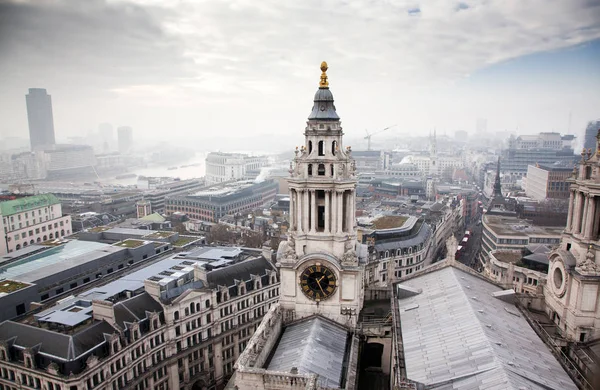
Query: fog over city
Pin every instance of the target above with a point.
(243, 72)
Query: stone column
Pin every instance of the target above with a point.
(340, 199)
(313, 211)
(305, 213)
(352, 210)
(570, 214)
(589, 216)
(298, 211)
(577, 213)
(327, 211)
(292, 210)
(333, 214)
(584, 218)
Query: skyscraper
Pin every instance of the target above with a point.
(39, 115)
(591, 131)
(125, 135)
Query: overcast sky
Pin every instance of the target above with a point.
(184, 70)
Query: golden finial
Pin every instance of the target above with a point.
(324, 83)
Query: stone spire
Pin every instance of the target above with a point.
(497, 185)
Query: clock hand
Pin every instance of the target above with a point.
(319, 284)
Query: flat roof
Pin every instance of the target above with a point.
(457, 334)
(513, 226)
(71, 254)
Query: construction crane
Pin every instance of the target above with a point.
(368, 137)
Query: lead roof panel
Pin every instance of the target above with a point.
(460, 333)
(313, 346)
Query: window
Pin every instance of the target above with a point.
(309, 169)
(59, 291)
(333, 147)
(309, 147)
(321, 170)
(321, 148)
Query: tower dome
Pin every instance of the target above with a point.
(323, 108)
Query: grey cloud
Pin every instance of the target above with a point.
(88, 43)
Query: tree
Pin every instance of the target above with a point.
(219, 233)
(252, 239)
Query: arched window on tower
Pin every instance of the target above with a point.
(588, 172)
(321, 171)
(331, 170)
(309, 169)
(321, 148)
(333, 147)
(309, 147)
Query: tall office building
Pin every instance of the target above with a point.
(591, 130)
(125, 138)
(39, 115)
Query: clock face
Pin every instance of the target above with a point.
(318, 282)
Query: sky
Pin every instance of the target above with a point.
(220, 74)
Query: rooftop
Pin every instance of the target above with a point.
(313, 346)
(46, 262)
(8, 286)
(512, 226)
(389, 221)
(11, 207)
(130, 243)
(457, 334)
(508, 256)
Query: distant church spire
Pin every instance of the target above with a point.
(497, 185)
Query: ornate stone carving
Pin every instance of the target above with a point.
(53, 368)
(92, 361)
(588, 266)
(289, 249)
(349, 255)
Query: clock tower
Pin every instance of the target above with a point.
(320, 273)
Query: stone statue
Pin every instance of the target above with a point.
(349, 255)
(289, 249)
(588, 266)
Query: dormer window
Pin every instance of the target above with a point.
(257, 285)
(207, 303)
(242, 290)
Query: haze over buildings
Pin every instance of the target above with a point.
(176, 69)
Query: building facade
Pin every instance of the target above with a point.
(230, 198)
(223, 167)
(543, 148)
(573, 288)
(30, 220)
(509, 233)
(39, 116)
(548, 182)
(397, 252)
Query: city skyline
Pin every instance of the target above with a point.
(186, 71)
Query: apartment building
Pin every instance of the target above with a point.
(32, 219)
(179, 323)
